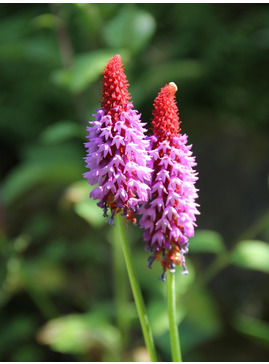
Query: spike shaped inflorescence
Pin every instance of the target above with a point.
(117, 149)
(169, 216)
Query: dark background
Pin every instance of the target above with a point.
(60, 272)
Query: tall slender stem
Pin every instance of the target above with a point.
(121, 287)
(171, 308)
(140, 306)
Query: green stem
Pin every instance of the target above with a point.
(121, 287)
(140, 306)
(171, 308)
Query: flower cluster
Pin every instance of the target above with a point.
(153, 175)
(116, 150)
(169, 216)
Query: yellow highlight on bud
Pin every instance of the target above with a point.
(172, 84)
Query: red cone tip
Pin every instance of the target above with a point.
(115, 95)
(165, 114)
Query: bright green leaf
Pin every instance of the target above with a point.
(80, 333)
(251, 254)
(206, 241)
(89, 211)
(85, 207)
(132, 28)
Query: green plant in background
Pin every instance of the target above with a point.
(48, 223)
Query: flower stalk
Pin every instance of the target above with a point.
(173, 327)
(121, 288)
(139, 302)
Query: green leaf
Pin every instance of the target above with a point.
(252, 327)
(80, 333)
(85, 207)
(132, 28)
(61, 131)
(43, 165)
(89, 211)
(202, 321)
(251, 254)
(206, 241)
(46, 21)
(87, 68)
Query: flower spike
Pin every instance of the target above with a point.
(117, 149)
(169, 216)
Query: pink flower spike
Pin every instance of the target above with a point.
(117, 148)
(171, 206)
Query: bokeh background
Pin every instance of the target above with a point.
(64, 293)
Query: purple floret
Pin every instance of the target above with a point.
(117, 159)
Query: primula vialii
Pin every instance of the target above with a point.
(128, 169)
(116, 150)
(169, 216)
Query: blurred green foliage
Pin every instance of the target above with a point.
(64, 295)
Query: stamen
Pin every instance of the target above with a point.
(111, 220)
(172, 267)
(163, 277)
(150, 260)
(105, 208)
(185, 269)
